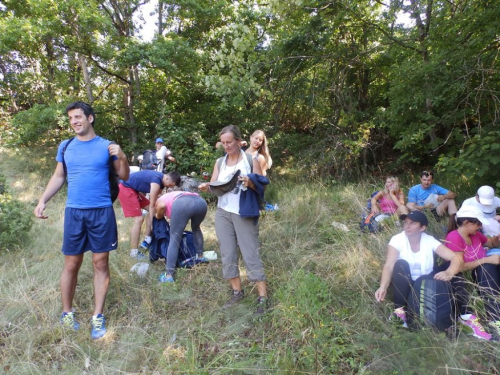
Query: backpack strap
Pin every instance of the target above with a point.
(249, 159)
(63, 151)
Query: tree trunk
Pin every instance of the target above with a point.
(86, 78)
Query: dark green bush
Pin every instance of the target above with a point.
(15, 219)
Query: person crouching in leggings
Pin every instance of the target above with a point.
(180, 207)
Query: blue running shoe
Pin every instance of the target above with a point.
(98, 326)
(144, 245)
(164, 279)
(68, 320)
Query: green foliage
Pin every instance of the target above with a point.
(15, 220)
(475, 161)
(189, 147)
(41, 124)
(367, 92)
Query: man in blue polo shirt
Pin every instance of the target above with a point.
(430, 196)
(89, 219)
(133, 199)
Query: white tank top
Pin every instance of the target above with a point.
(230, 201)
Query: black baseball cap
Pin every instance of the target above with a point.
(416, 216)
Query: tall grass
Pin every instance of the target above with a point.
(323, 317)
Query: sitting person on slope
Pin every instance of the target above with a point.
(466, 239)
(389, 201)
(410, 255)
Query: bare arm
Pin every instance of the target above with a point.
(385, 280)
(121, 164)
(154, 193)
(375, 208)
(263, 164)
(456, 263)
(492, 259)
(448, 195)
(160, 209)
(493, 242)
(54, 185)
(215, 173)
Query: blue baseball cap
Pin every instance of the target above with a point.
(159, 140)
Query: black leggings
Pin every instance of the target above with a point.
(487, 278)
(402, 284)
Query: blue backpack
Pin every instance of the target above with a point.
(368, 223)
(161, 239)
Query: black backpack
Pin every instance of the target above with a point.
(430, 304)
(149, 160)
(114, 180)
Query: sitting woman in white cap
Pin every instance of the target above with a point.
(486, 201)
(468, 240)
(410, 255)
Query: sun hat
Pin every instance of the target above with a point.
(472, 212)
(220, 188)
(486, 195)
(416, 216)
(159, 140)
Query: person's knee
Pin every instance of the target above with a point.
(100, 263)
(72, 264)
(138, 220)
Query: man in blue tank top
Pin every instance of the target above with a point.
(89, 221)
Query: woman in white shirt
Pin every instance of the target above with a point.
(232, 230)
(410, 255)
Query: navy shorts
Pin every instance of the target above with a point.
(90, 229)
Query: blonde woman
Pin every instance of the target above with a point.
(390, 200)
(259, 150)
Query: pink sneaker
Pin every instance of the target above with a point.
(399, 314)
(477, 329)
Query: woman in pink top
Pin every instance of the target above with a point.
(485, 269)
(390, 200)
(180, 207)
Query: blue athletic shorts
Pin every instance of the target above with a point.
(90, 229)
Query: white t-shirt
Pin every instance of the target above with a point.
(160, 155)
(492, 228)
(488, 211)
(230, 201)
(421, 262)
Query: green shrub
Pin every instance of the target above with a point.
(41, 124)
(15, 219)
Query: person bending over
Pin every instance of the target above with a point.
(181, 207)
